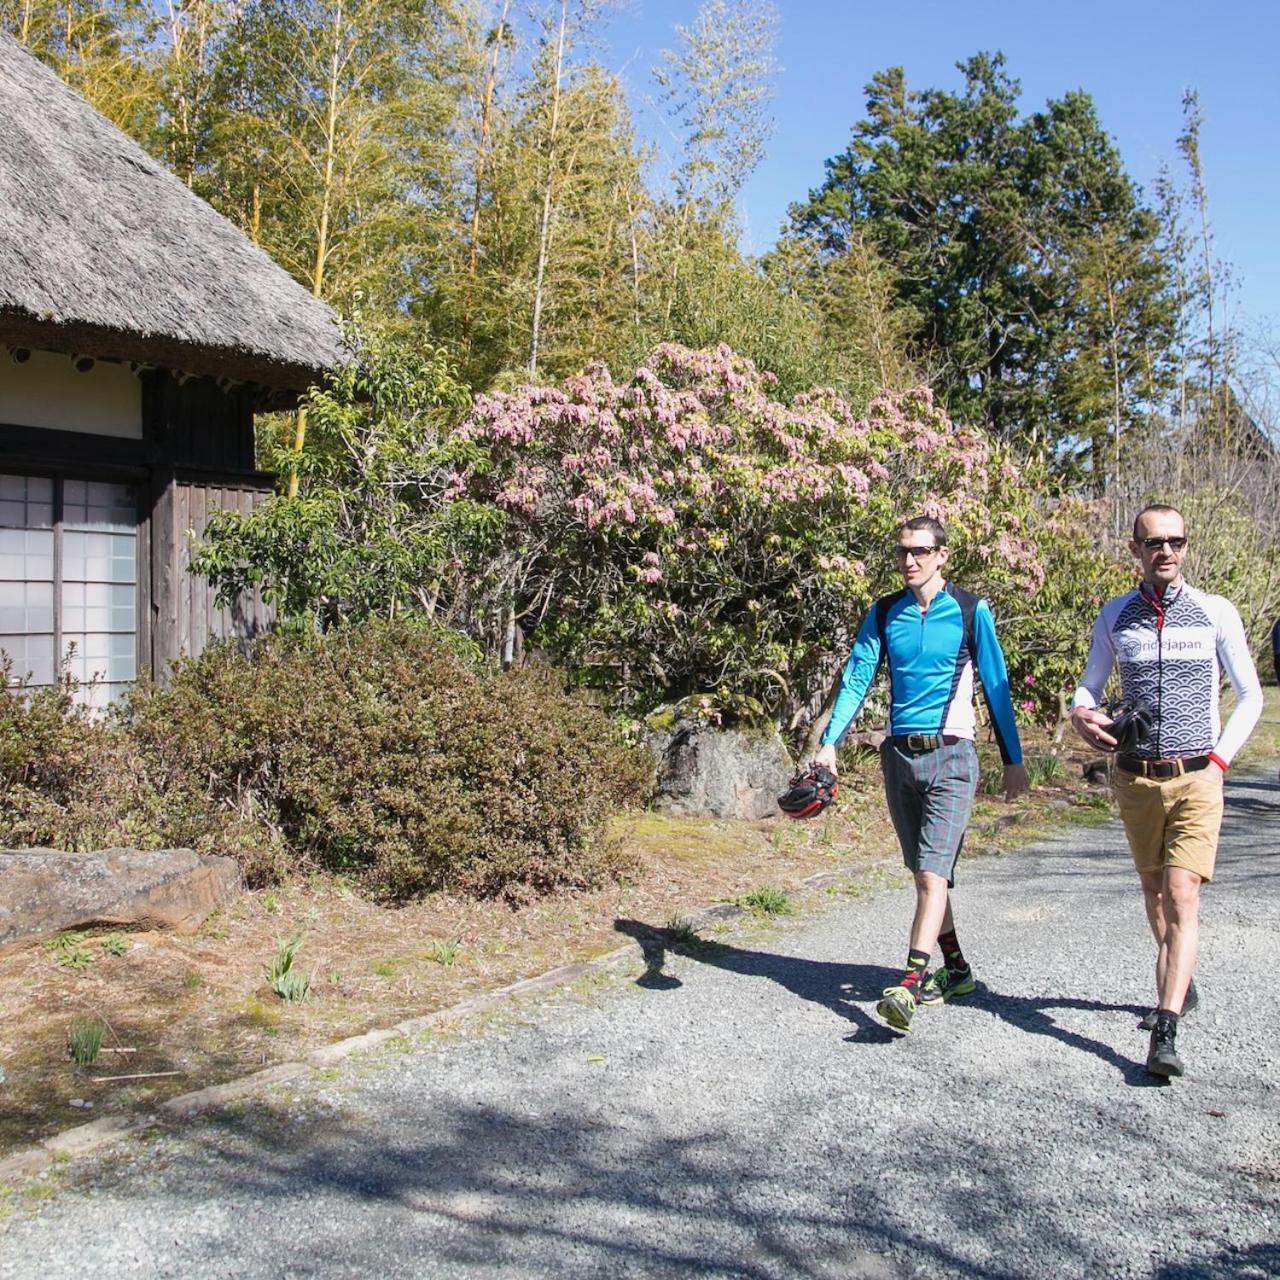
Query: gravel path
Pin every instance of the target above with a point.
(743, 1113)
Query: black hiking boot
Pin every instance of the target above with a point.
(1162, 1056)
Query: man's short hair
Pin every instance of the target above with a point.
(1163, 508)
(918, 524)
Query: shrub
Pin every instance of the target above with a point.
(686, 532)
(378, 751)
(56, 766)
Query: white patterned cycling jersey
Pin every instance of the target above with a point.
(1172, 651)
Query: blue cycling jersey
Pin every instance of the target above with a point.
(931, 668)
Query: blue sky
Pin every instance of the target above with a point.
(1134, 57)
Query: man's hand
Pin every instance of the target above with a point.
(1015, 781)
(827, 756)
(1091, 725)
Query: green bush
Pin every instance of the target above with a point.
(377, 750)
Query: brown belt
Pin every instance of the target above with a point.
(1161, 768)
(924, 741)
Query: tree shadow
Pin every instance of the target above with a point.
(843, 988)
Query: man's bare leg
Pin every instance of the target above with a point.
(933, 911)
(1176, 962)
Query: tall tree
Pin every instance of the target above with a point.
(717, 85)
(984, 216)
(99, 46)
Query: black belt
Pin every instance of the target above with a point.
(924, 741)
(1161, 768)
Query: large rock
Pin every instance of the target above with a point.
(706, 772)
(44, 891)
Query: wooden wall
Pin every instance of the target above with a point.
(182, 609)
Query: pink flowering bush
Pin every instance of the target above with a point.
(685, 532)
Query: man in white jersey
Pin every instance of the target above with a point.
(1172, 644)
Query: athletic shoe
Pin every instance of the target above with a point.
(1190, 1001)
(945, 984)
(896, 1007)
(1162, 1056)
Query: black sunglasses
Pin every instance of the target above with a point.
(918, 553)
(1154, 544)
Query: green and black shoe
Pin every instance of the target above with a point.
(945, 984)
(897, 1007)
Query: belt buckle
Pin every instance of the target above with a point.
(921, 741)
(1164, 769)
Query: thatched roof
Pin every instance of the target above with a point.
(103, 251)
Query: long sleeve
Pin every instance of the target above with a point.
(1097, 667)
(1237, 662)
(859, 671)
(994, 675)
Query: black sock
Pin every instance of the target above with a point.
(917, 963)
(952, 956)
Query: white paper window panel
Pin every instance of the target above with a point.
(99, 557)
(26, 502)
(100, 696)
(31, 656)
(26, 554)
(91, 504)
(99, 606)
(26, 607)
(109, 657)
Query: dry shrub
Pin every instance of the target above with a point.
(375, 750)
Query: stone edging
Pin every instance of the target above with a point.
(87, 1138)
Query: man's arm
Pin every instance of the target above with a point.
(994, 674)
(1087, 721)
(1237, 662)
(855, 680)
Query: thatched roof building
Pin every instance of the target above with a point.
(106, 253)
(140, 332)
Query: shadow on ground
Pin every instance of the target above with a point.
(844, 988)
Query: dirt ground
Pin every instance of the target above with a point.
(185, 1012)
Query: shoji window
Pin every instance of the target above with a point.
(69, 581)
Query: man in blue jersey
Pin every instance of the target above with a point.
(932, 635)
(1172, 644)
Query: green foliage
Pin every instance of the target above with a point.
(286, 981)
(84, 1041)
(767, 900)
(445, 951)
(370, 533)
(1021, 248)
(1043, 768)
(373, 751)
(114, 944)
(685, 537)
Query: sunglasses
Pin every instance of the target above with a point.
(917, 553)
(1154, 544)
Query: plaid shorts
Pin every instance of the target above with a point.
(930, 797)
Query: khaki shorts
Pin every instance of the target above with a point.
(1172, 822)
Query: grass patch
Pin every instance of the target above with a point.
(444, 951)
(84, 1041)
(114, 944)
(766, 900)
